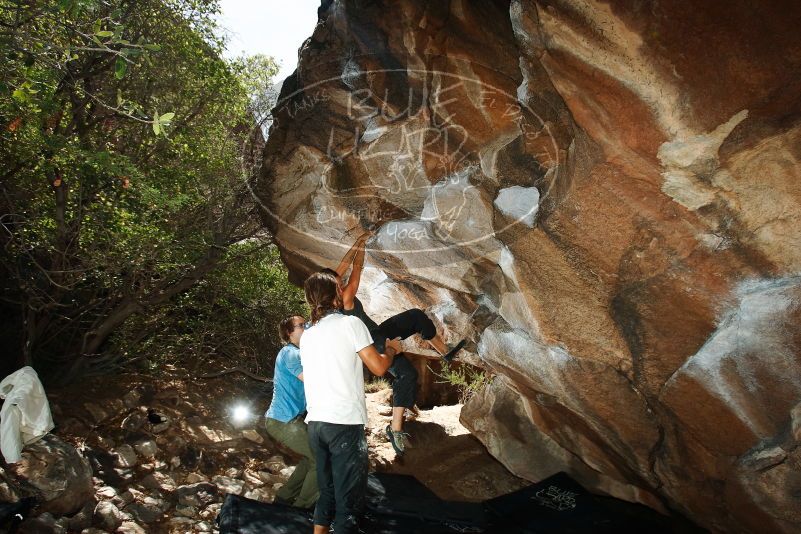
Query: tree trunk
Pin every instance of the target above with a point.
(61, 191)
(29, 324)
(94, 339)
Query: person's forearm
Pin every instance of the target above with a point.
(383, 364)
(347, 259)
(389, 357)
(358, 265)
(350, 290)
(377, 362)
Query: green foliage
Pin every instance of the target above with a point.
(230, 317)
(468, 379)
(124, 187)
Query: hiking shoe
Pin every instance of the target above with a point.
(399, 440)
(452, 353)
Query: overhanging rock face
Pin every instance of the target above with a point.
(605, 198)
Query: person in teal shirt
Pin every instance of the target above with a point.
(284, 417)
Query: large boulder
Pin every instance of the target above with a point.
(56, 474)
(605, 198)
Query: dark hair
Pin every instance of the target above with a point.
(335, 274)
(285, 328)
(331, 272)
(322, 294)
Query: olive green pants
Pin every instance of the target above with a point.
(301, 488)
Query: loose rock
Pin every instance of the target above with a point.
(131, 527)
(146, 448)
(198, 495)
(134, 421)
(253, 436)
(144, 513)
(107, 516)
(126, 456)
(228, 484)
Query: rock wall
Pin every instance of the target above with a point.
(604, 197)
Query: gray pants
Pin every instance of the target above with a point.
(341, 453)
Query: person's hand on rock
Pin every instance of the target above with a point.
(395, 344)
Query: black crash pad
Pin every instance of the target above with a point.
(399, 504)
(239, 515)
(13, 513)
(560, 504)
(395, 504)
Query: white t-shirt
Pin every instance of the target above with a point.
(332, 371)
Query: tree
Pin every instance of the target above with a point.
(124, 182)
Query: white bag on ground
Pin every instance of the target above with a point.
(25, 416)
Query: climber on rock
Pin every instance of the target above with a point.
(402, 325)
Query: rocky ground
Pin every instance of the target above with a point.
(139, 453)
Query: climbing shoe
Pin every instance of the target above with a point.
(452, 353)
(399, 440)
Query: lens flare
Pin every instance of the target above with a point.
(240, 413)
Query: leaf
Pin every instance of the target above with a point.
(120, 68)
(104, 33)
(156, 127)
(153, 47)
(167, 117)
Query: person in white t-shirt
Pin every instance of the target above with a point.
(332, 351)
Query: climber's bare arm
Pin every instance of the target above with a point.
(349, 291)
(347, 259)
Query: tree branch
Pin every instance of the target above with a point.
(237, 370)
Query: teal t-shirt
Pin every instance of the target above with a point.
(289, 398)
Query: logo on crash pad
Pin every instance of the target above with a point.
(556, 498)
